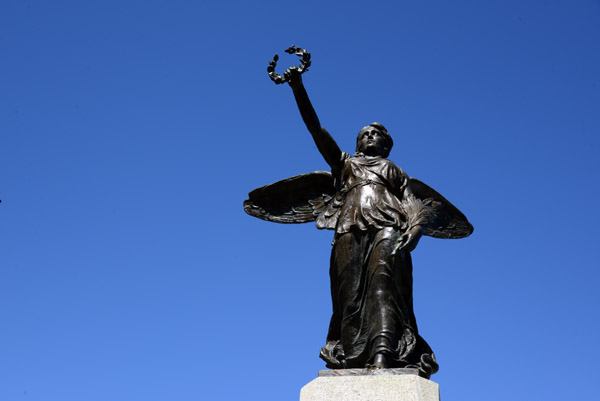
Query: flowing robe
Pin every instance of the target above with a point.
(371, 274)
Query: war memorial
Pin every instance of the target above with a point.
(378, 213)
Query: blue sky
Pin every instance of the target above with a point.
(131, 132)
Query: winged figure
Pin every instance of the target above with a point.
(378, 215)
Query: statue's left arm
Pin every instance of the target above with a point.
(418, 216)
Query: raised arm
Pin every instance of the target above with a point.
(325, 143)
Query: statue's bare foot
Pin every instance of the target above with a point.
(380, 361)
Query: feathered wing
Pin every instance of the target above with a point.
(445, 220)
(290, 201)
(306, 197)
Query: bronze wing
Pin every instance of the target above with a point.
(289, 201)
(446, 220)
(292, 201)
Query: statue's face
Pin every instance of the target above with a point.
(371, 142)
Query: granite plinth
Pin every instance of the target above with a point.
(370, 385)
(368, 372)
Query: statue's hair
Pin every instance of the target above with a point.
(387, 138)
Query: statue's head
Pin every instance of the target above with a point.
(374, 140)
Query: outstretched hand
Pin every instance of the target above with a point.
(293, 77)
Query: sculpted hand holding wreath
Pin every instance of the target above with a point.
(378, 214)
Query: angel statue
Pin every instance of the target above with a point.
(378, 214)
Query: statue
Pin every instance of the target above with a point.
(378, 214)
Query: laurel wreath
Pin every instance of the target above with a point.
(304, 64)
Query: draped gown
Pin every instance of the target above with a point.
(371, 274)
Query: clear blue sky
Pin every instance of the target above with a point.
(132, 131)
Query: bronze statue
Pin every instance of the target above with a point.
(378, 214)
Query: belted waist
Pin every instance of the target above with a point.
(360, 183)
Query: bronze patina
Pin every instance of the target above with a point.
(378, 214)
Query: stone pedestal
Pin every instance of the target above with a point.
(370, 385)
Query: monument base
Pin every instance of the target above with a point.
(370, 385)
